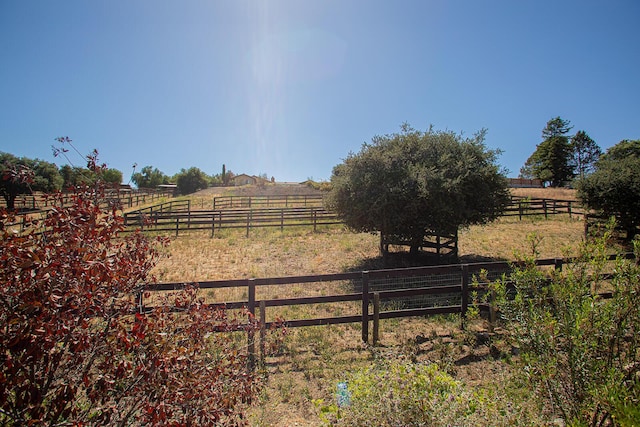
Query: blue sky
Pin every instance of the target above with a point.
(290, 87)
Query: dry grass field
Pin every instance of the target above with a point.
(310, 361)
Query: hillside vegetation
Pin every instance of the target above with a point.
(303, 372)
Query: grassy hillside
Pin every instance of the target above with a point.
(310, 361)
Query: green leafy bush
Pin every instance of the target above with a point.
(401, 393)
(578, 330)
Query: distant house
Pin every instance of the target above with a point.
(168, 188)
(244, 179)
(525, 183)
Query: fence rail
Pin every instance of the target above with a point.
(278, 201)
(456, 282)
(125, 198)
(248, 212)
(361, 286)
(216, 220)
(521, 207)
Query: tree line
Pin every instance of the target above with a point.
(47, 177)
(608, 182)
(559, 159)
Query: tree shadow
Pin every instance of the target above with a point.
(422, 259)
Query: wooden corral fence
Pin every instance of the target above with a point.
(216, 220)
(374, 295)
(442, 246)
(142, 197)
(521, 207)
(139, 216)
(596, 224)
(281, 201)
(125, 198)
(299, 210)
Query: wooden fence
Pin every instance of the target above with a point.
(279, 201)
(596, 224)
(216, 220)
(125, 198)
(430, 291)
(178, 217)
(450, 280)
(522, 207)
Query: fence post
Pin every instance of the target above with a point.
(251, 306)
(465, 295)
(376, 318)
(263, 330)
(365, 306)
(189, 213)
(177, 225)
(520, 209)
(544, 206)
(282, 219)
(248, 222)
(140, 302)
(315, 220)
(213, 224)
(557, 264)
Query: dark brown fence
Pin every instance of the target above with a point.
(376, 295)
(281, 201)
(596, 224)
(178, 217)
(125, 198)
(522, 207)
(248, 219)
(421, 291)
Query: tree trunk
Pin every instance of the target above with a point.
(10, 199)
(631, 231)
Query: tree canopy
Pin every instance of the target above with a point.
(149, 177)
(413, 183)
(585, 153)
(24, 175)
(191, 180)
(614, 187)
(551, 162)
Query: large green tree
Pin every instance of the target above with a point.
(149, 177)
(191, 180)
(413, 184)
(614, 187)
(22, 175)
(585, 153)
(112, 176)
(551, 162)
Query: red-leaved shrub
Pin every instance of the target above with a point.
(74, 350)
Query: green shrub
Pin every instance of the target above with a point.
(578, 331)
(401, 393)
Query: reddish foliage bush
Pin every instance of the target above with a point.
(74, 350)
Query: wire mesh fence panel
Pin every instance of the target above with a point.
(422, 281)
